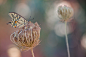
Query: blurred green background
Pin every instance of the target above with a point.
(52, 29)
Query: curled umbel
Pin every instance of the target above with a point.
(64, 12)
(27, 37)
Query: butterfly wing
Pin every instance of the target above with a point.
(17, 20)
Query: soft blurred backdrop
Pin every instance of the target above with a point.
(52, 29)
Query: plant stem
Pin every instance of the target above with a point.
(68, 51)
(32, 52)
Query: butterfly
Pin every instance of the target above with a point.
(17, 20)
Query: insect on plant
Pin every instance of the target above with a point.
(28, 36)
(17, 20)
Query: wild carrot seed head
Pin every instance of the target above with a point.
(64, 12)
(27, 37)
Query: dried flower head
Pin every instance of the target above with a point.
(64, 12)
(27, 37)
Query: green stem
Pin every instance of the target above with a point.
(68, 51)
(32, 52)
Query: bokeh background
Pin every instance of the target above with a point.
(52, 29)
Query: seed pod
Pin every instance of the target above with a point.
(64, 12)
(27, 37)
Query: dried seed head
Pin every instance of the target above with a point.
(28, 37)
(64, 12)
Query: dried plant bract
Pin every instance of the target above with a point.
(64, 12)
(27, 37)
